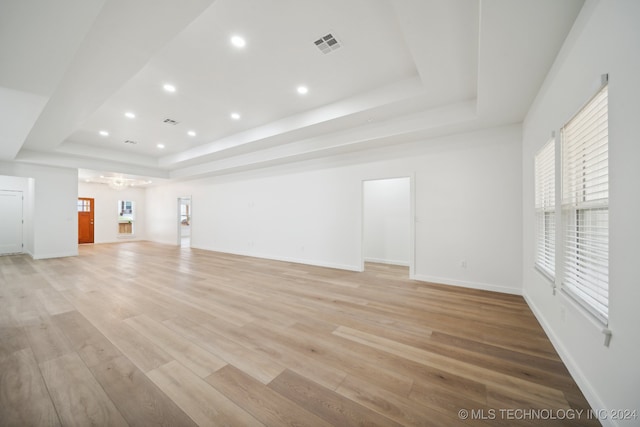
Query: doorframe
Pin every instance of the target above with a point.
(21, 195)
(179, 214)
(412, 219)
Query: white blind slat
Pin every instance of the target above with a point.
(545, 195)
(585, 201)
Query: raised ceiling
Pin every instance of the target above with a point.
(405, 70)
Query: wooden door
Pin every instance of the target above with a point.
(85, 220)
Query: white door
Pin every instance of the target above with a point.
(10, 222)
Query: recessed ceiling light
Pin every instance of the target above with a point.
(235, 116)
(191, 133)
(104, 133)
(169, 88)
(160, 146)
(130, 115)
(238, 41)
(302, 90)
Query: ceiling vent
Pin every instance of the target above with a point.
(170, 122)
(128, 141)
(327, 44)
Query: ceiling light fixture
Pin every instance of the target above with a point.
(130, 115)
(302, 90)
(160, 146)
(169, 88)
(235, 116)
(118, 182)
(104, 133)
(191, 133)
(238, 42)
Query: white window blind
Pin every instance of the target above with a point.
(545, 192)
(585, 204)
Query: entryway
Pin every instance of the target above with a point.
(184, 222)
(387, 227)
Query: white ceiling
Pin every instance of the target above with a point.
(406, 69)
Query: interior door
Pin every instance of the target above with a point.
(85, 220)
(10, 222)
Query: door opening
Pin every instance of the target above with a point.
(86, 208)
(184, 222)
(387, 229)
(12, 221)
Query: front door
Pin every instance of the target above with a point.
(85, 220)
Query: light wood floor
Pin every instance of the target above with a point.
(147, 334)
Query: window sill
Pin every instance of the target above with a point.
(548, 277)
(583, 312)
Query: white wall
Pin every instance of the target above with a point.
(605, 39)
(106, 211)
(52, 209)
(468, 204)
(387, 210)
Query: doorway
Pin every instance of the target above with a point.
(12, 221)
(184, 222)
(85, 220)
(387, 228)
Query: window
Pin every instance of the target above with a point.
(84, 205)
(126, 217)
(585, 205)
(545, 192)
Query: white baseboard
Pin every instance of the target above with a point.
(58, 255)
(120, 240)
(466, 284)
(581, 380)
(387, 261)
(285, 259)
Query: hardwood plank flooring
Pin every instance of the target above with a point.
(24, 399)
(140, 333)
(78, 397)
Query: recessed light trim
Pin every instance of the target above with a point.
(238, 41)
(160, 146)
(130, 115)
(191, 133)
(104, 133)
(235, 116)
(302, 90)
(169, 88)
